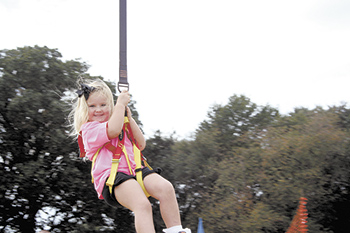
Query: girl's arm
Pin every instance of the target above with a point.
(116, 121)
(138, 135)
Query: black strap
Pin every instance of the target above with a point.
(138, 170)
(123, 74)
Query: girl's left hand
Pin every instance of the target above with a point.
(128, 112)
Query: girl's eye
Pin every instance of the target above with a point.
(91, 106)
(104, 105)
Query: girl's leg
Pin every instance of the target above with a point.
(130, 195)
(164, 192)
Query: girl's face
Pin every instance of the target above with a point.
(98, 107)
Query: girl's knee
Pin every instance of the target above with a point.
(167, 190)
(159, 188)
(130, 195)
(169, 187)
(143, 205)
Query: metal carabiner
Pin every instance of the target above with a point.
(123, 83)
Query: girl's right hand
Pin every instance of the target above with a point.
(123, 98)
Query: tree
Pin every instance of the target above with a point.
(239, 116)
(32, 80)
(248, 176)
(307, 157)
(201, 166)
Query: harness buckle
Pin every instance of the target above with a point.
(123, 81)
(115, 161)
(138, 170)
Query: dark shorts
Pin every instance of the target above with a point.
(120, 178)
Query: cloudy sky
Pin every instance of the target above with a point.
(184, 56)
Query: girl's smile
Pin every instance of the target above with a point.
(98, 108)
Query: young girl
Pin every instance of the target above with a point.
(98, 122)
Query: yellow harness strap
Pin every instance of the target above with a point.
(137, 157)
(111, 178)
(114, 170)
(93, 162)
(138, 170)
(127, 159)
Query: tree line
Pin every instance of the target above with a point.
(243, 170)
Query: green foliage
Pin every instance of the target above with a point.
(31, 118)
(248, 176)
(204, 167)
(308, 159)
(240, 116)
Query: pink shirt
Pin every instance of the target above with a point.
(94, 136)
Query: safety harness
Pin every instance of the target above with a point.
(117, 153)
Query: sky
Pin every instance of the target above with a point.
(184, 56)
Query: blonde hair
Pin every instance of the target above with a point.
(79, 115)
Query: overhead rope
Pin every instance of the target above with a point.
(123, 74)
